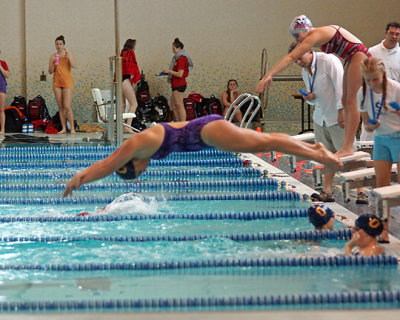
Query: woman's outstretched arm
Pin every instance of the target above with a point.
(139, 146)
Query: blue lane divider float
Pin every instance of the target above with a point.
(342, 234)
(90, 150)
(332, 261)
(153, 163)
(331, 300)
(184, 174)
(274, 196)
(95, 156)
(251, 215)
(182, 186)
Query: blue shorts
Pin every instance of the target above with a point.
(387, 148)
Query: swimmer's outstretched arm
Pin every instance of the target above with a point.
(140, 146)
(316, 37)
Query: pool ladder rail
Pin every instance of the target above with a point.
(238, 103)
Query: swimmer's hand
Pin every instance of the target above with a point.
(72, 185)
(348, 247)
(264, 83)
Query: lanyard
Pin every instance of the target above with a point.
(379, 107)
(313, 76)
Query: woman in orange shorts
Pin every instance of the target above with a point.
(60, 63)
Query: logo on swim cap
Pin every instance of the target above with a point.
(127, 172)
(300, 24)
(370, 223)
(319, 215)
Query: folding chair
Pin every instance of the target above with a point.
(102, 103)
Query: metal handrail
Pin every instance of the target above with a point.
(243, 98)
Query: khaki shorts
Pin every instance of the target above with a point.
(331, 137)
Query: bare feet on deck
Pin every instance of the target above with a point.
(73, 132)
(62, 132)
(327, 158)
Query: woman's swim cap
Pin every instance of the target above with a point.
(127, 172)
(370, 223)
(300, 24)
(319, 215)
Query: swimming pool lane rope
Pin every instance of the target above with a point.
(323, 261)
(232, 162)
(184, 174)
(180, 186)
(322, 300)
(341, 234)
(16, 153)
(272, 196)
(249, 215)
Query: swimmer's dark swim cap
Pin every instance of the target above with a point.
(127, 172)
(300, 24)
(319, 215)
(370, 223)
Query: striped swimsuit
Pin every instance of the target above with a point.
(343, 48)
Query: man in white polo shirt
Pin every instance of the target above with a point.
(389, 52)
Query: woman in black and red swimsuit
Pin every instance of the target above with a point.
(331, 39)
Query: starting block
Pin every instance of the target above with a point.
(386, 197)
(365, 144)
(357, 160)
(361, 178)
(309, 136)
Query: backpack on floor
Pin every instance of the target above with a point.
(14, 119)
(37, 109)
(143, 90)
(20, 103)
(190, 108)
(161, 106)
(212, 105)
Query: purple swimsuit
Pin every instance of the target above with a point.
(184, 139)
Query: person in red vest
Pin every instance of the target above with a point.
(130, 76)
(4, 74)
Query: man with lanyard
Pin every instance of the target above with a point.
(323, 76)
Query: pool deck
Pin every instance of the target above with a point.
(279, 172)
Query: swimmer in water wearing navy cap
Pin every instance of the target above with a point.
(322, 217)
(366, 229)
(157, 142)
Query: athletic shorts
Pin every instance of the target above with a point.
(331, 137)
(387, 147)
(126, 77)
(3, 85)
(180, 89)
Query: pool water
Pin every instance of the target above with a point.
(159, 244)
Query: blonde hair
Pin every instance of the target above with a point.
(371, 65)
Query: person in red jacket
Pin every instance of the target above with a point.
(4, 74)
(178, 71)
(130, 76)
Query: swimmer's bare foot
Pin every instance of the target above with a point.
(327, 158)
(1, 133)
(62, 132)
(73, 132)
(344, 152)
